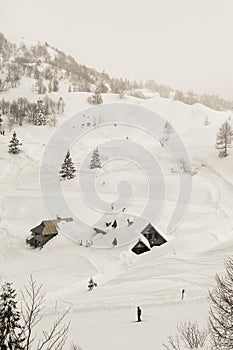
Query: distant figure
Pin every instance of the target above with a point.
(112, 206)
(3, 132)
(114, 225)
(91, 284)
(123, 210)
(139, 313)
(182, 294)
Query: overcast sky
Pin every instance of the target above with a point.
(187, 44)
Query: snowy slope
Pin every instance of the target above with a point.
(194, 253)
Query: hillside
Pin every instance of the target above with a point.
(138, 162)
(49, 69)
(194, 253)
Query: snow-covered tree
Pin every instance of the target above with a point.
(224, 139)
(10, 329)
(95, 159)
(167, 131)
(96, 98)
(68, 170)
(14, 144)
(40, 113)
(221, 310)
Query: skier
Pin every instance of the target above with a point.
(182, 294)
(139, 313)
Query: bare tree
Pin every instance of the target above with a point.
(173, 343)
(32, 306)
(189, 336)
(221, 310)
(57, 335)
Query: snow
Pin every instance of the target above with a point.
(194, 253)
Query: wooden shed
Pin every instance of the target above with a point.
(46, 230)
(140, 247)
(149, 237)
(153, 236)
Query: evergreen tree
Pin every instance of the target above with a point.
(95, 159)
(40, 113)
(224, 139)
(221, 310)
(96, 98)
(167, 131)
(14, 144)
(10, 329)
(67, 170)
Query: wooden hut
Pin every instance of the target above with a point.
(42, 233)
(153, 236)
(149, 237)
(140, 247)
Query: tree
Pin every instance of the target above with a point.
(67, 170)
(189, 336)
(14, 144)
(40, 113)
(221, 310)
(224, 139)
(95, 159)
(11, 337)
(96, 98)
(168, 130)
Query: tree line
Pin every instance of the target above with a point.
(42, 112)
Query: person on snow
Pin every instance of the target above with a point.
(139, 313)
(182, 294)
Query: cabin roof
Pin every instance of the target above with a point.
(142, 242)
(49, 227)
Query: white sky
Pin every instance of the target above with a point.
(185, 43)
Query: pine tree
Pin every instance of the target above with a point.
(95, 159)
(221, 310)
(10, 328)
(224, 139)
(96, 98)
(67, 170)
(167, 131)
(40, 113)
(14, 144)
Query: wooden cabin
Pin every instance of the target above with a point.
(140, 247)
(42, 233)
(150, 237)
(153, 236)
